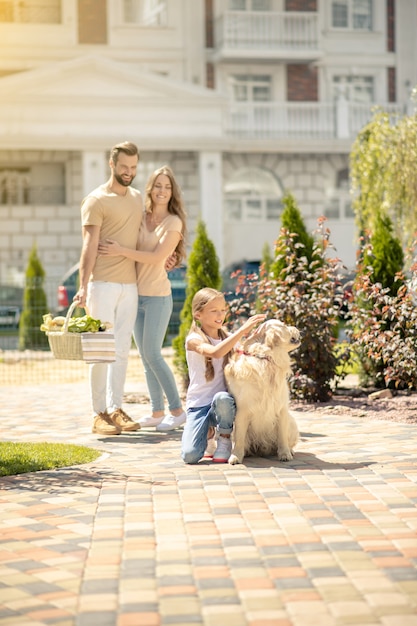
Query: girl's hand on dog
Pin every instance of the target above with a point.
(253, 321)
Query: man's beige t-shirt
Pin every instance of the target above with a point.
(152, 278)
(119, 218)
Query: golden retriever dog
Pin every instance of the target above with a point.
(257, 378)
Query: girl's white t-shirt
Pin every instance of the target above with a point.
(200, 391)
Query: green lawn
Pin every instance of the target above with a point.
(19, 458)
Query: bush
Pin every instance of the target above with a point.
(306, 293)
(34, 306)
(302, 242)
(202, 271)
(383, 333)
(383, 255)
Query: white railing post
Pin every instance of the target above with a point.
(342, 118)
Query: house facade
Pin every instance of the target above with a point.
(245, 99)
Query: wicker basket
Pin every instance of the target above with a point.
(66, 345)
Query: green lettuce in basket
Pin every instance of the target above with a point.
(85, 324)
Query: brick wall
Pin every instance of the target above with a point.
(210, 76)
(209, 24)
(302, 83)
(392, 92)
(391, 25)
(301, 5)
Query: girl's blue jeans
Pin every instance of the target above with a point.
(220, 414)
(149, 332)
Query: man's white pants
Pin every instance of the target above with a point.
(116, 303)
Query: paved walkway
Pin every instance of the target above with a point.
(137, 538)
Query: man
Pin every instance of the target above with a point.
(108, 283)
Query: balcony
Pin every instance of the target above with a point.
(266, 35)
(301, 120)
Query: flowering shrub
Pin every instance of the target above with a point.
(383, 332)
(306, 294)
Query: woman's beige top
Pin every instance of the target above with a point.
(152, 277)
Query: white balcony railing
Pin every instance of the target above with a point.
(300, 120)
(267, 30)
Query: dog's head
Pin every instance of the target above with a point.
(273, 334)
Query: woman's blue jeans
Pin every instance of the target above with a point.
(220, 414)
(151, 324)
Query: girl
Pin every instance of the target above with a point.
(162, 232)
(209, 406)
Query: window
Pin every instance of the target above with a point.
(31, 11)
(354, 88)
(249, 5)
(352, 14)
(14, 186)
(253, 195)
(40, 184)
(339, 201)
(250, 88)
(145, 12)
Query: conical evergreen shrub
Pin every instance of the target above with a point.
(34, 306)
(385, 256)
(202, 271)
(302, 242)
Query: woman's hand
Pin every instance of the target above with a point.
(109, 247)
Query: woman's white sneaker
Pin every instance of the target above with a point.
(171, 422)
(147, 422)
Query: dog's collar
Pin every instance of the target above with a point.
(265, 357)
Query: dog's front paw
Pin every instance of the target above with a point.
(234, 460)
(285, 455)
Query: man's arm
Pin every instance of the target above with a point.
(91, 238)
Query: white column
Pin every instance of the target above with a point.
(95, 171)
(342, 117)
(211, 198)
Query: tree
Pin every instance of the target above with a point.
(34, 306)
(385, 255)
(202, 271)
(302, 241)
(384, 174)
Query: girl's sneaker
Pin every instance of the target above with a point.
(211, 448)
(223, 451)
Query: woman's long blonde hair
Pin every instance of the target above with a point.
(175, 206)
(201, 299)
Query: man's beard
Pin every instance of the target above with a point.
(123, 182)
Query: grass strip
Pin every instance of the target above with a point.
(19, 458)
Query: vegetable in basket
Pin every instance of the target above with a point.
(85, 324)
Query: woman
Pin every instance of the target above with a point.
(162, 232)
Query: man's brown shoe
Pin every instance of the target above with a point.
(123, 421)
(103, 425)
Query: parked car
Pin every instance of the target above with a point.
(11, 305)
(68, 287)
